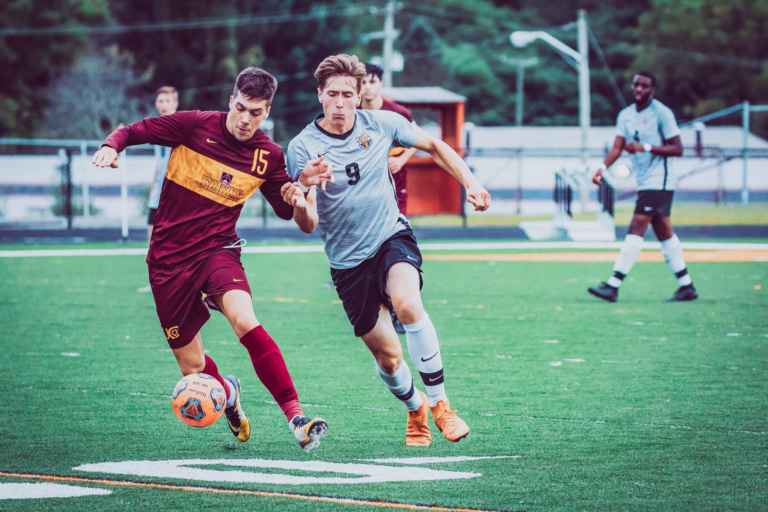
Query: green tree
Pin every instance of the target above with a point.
(31, 58)
(707, 54)
(287, 37)
(95, 95)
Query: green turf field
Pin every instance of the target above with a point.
(577, 404)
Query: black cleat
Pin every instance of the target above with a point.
(604, 291)
(684, 293)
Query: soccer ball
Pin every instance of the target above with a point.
(198, 400)
(620, 170)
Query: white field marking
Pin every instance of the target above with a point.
(574, 360)
(438, 460)
(33, 491)
(358, 473)
(556, 364)
(551, 342)
(71, 354)
(733, 334)
(446, 246)
(243, 492)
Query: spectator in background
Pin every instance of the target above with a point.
(166, 103)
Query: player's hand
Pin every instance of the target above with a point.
(105, 157)
(396, 164)
(478, 197)
(293, 195)
(633, 147)
(597, 178)
(316, 172)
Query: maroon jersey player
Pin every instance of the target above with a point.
(218, 160)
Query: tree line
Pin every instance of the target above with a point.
(77, 68)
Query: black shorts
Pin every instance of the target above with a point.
(362, 289)
(655, 203)
(151, 216)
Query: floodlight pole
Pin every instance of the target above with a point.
(523, 38)
(745, 147)
(585, 113)
(389, 38)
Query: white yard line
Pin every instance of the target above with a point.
(428, 246)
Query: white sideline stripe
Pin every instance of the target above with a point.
(46, 490)
(432, 246)
(354, 502)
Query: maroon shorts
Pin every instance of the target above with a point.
(182, 294)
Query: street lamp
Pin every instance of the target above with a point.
(521, 38)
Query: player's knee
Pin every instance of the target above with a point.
(408, 309)
(389, 363)
(243, 323)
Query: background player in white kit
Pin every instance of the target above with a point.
(648, 131)
(375, 261)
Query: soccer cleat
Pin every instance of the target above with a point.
(685, 293)
(308, 432)
(448, 422)
(604, 291)
(417, 431)
(236, 418)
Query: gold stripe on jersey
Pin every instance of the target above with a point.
(209, 178)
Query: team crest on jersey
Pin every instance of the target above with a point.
(364, 140)
(226, 178)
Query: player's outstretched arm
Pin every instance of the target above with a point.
(610, 158)
(304, 206)
(454, 165)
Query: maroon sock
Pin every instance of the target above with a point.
(213, 370)
(270, 368)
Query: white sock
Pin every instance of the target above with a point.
(630, 250)
(672, 250)
(400, 384)
(424, 348)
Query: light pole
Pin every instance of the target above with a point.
(521, 38)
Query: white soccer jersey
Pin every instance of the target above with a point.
(358, 212)
(653, 125)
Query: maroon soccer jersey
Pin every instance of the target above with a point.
(210, 176)
(396, 107)
(401, 177)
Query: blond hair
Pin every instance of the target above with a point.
(340, 65)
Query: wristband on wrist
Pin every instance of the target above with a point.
(647, 147)
(602, 168)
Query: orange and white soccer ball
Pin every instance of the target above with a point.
(198, 400)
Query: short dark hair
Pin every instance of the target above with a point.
(256, 83)
(166, 89)
(341, 64)
(373, 69)
(648, 74)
